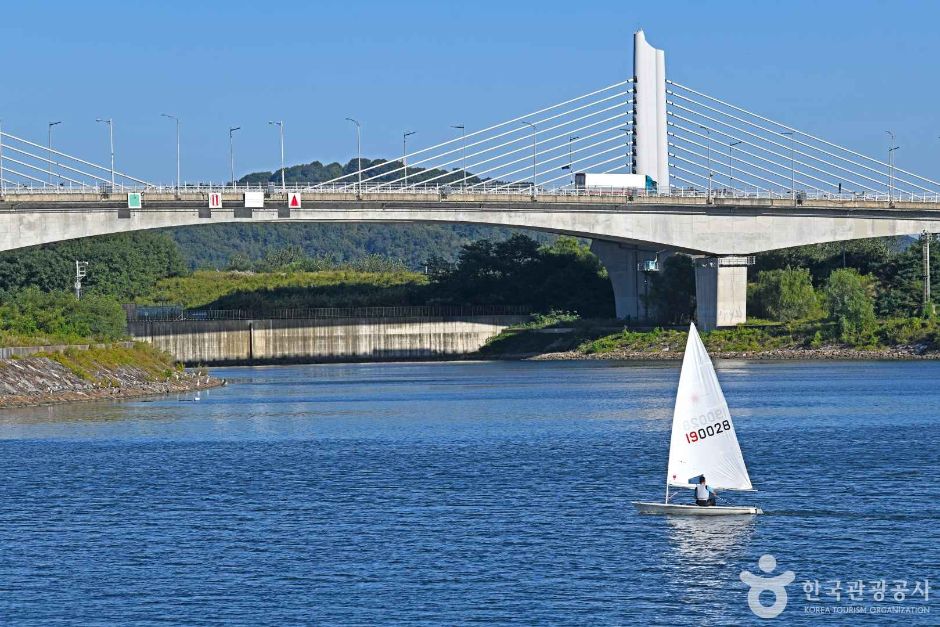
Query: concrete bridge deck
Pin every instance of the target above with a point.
(694, 224)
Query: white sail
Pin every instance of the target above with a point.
(703, 438)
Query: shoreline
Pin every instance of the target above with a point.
(898, 353)
(106, 372)
(191, 383)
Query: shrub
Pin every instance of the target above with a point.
(851, 306)
(785, 295)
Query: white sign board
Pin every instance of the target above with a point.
(255, 200)
(215, 200)
(134, 200)
(293, 200)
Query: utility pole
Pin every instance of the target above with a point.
(3, 187)
(463, 151)
(110, 124)
(928, 305)
(404, 152)
(280, 126)
(231, 151)
(81, 269)
(535, 152)
(51, 160)
(177, 120)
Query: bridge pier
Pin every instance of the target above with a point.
(720, 291)
(628, 282)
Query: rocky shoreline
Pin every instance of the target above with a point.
(34, 381)
(897, 353)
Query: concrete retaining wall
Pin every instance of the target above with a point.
(351, 339)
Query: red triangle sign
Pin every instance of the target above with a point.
(294, 202)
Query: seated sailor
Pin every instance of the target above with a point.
(704, 495)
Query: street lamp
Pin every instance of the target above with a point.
(3, 188)
(177, 120)
(110, 124)
(628, 155)
(51, 162)
(358, 150)
(535, 152)
(404, 152)
(280, 125)
(891, 150)
(571, 138)
(731, 161)
(708, 158)
(463, 151)
(231, 151)
(792, 166)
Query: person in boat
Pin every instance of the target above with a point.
(704, 495)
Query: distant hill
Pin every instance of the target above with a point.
(212, 246)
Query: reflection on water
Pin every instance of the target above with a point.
(702, 540)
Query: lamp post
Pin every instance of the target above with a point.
(627, 155)
(3, 187)
(731, 161)
(51, 161)
(280, 125)
(463, 151)
(231, 150)
(891, 149)
(177, 120)
(792, 166)
(358, 151)
(404, 152)
(535, 152)
(571, 138)
(708, 159)
(110, 124)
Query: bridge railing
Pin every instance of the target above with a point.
(170, 313)
(458, 191)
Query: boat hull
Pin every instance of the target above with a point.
(695, 510)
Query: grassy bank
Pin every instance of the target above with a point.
(274, 290)
(96, 365)
(109, 372)
(601, 338)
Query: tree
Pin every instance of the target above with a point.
(562, 276)
(848, 294)
(784, 295)
(122, 266)
(671, 298)
(901, 282)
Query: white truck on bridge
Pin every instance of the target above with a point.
(608, 182)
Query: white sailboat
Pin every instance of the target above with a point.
(703, 439)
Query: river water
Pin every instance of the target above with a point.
(457, 493)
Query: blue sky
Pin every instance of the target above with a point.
(843, 70)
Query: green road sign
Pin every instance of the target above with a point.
(134, 200)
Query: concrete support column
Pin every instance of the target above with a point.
(721, 291)
(628, 282)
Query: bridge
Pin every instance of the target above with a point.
(730, 183)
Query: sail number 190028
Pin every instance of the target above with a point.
(710, 430)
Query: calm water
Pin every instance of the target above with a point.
(462, 493)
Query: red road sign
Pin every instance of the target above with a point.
(293, 200)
